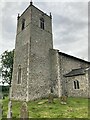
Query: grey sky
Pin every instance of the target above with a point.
(70, 25)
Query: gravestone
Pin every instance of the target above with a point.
(50, 98)
(9, 114)
(1, 110)
(63, 100)
(24, 113)
(1, 96)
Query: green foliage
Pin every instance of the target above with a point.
(75, 108)
(7, 66)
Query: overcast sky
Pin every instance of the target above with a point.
(70, 25)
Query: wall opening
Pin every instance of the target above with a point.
(23, 24)
(19, 75)
(42, 23)
(76, 84)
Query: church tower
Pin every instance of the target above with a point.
(31, 69)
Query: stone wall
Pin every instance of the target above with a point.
(83, 84)
(54, 71)
(67, 63)
(56, 81)
(19, 91)
(32, 53)
(39, 60)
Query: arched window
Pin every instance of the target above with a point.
(19, 75)
(23, 24)
(51, 90)
(42, 23)
(76, 84)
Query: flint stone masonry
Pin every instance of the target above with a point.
(43, 67)
(32, 53)
(9, 114)
(24, 113)
(67, 63)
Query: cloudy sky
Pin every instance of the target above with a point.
(70, 24)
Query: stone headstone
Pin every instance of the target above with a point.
(1, 96)
(24, 113)
(9, 114)
(63, 100)
(1, 110)
(50, 98)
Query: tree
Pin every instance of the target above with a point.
(7, 66)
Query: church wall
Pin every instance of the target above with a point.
(25, 15)
(36, 15)
(19, 91)
(89, 83)
(32, 53)
(67, 63)
(39, 70)
(83, 84)
(54, 71)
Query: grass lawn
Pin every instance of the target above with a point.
(75, 108)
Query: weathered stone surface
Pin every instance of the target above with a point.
(63, 100)
(50, 98)
(24, 113)
(32, 53)
(1, 109)
(9, 114)
(67, 63)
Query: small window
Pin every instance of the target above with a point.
(42, 23)
(23, 24)
(51, 90)
(19, 75)
(76, 84)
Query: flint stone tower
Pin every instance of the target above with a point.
(31, 69)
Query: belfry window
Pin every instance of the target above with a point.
(19, 75)
(42, 23)
(76, 84)
(23, 24)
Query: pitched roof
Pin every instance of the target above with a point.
(76, 58)
(76, 72)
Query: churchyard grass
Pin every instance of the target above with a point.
(75, 108)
